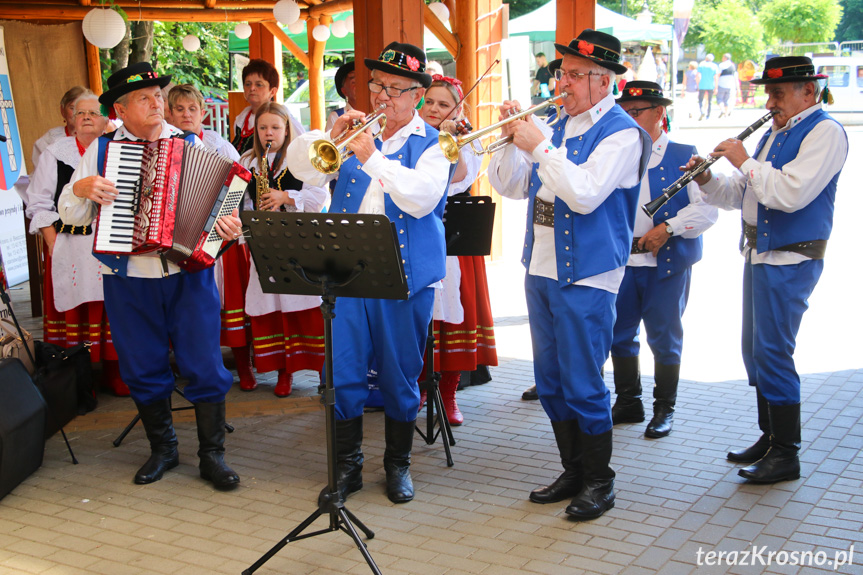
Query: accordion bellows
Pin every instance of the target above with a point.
(171, 194)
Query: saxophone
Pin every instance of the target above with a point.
(262, 178)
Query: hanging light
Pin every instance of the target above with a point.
(242, 30)
(340, 29)
(191, 43)
(349, 22)
(103, 27)
(297, 27)
(321, 33)
(286, 11)
(440, 10)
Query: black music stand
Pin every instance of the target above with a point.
(350, 255)
(468, 224)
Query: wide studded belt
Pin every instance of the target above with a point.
(543, 213)
(637, 250)
(814, 249)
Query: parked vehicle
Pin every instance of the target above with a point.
(845, 81)
(298, 102)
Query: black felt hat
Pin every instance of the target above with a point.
(598, 47)
(341, 74)
(643, 90)
(131, 78)
(788, 69)
(402, 60)
(554, 66)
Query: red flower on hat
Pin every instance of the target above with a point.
(774, 73)
(585, 47)
(413, 63)
(635, 92)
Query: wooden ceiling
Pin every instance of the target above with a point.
(168, 10)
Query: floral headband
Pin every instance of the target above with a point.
(454, 82)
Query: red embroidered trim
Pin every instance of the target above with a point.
(81, 148)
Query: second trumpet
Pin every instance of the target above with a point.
(327, 155)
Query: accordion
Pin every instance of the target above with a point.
(171, 193)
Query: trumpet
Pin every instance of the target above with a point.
(327, 155)
(653, 206)
(452, 145)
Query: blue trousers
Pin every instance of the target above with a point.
(570, 328)
(660, 302)
(148, 316)
(774, 299)
(388, 333)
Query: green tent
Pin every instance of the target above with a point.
(540, 24)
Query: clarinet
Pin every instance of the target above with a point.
(654, 206)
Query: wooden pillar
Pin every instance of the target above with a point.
(376, 24)
(573, 16)
(316, 77)
(265, 46)
(94, 68)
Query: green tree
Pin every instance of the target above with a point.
(206, 67)
(520, 7)
(800, 20)
(851, 25)
(730, 26)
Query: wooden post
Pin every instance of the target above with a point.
(316, 77)
(265, 46)
(376, 24)
(573, 16)
(94, 67)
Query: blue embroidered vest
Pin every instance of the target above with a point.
(598, 242)
(813, 222)
(678, 253)
(421, 240)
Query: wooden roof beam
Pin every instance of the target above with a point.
(447, 38)
(287, 42)
(56, 12)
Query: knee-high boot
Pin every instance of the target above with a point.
(159, 426)
(781, 463)
(570, 481)
(349, 455)
(397, 459)
(448, 385)
(664, 398)
(759, 449)
(627, 386)
(243, 361)
(597, 495)
(210, 418)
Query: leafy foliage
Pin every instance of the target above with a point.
(207, 67)
(851, 25)
(801, 20)
(521, 7)
(729, 26)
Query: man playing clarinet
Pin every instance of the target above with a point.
(655, 287)
(785, 193)
(581, 178)
(152, 305)
(405, 176)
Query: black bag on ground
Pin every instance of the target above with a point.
(22, 425)
(65, 379)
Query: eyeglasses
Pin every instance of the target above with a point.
(392, 91)
(88, 113)
(573, 76)
(634, 112)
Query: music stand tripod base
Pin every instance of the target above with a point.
(349, 255)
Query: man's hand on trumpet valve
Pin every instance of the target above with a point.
(507, 109)
(363, 146)
(345, 121)
(229, 227)
(701, 178)
(732, 149)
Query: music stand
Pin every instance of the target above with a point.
(468, 224)
(350, 255)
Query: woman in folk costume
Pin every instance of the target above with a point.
(67, 111)
(287, 330)
(74, 311)
(463, 321)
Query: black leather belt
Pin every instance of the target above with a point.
(813, 249)
(543, 213)
(74, 230)
(637, 250)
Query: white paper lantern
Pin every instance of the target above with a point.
(286, 11)
(321, 33)
(297, 27)
(349, 22)
(242, 30)
(340, 29)
(440, 10)
(104, 28)
(191, 43)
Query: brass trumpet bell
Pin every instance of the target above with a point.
(327, 156)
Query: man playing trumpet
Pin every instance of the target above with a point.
(785, 193)
(581, 179)
(405, 176)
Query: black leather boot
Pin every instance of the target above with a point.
(159, 426)
(210, 418)
(349, 455)
(597, 496)
(627, 386)
(397, 459)
(759, 449)
(781, 463)
(664, 398)
(569, 483)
